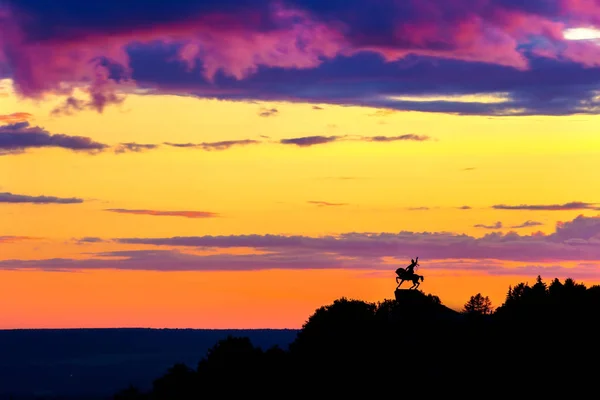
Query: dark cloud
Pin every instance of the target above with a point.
(574, 205)
(7, 197)
(465, 207)
(308, 141)
(378, 54)
(20, 136)
(186, 214)
(497, 225)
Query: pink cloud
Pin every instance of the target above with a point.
(222, 42)
(237, 44)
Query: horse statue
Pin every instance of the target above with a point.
(404, 276)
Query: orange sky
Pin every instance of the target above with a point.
(50, 277)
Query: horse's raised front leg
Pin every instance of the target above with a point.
(398, 287)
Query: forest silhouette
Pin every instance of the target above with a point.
(542, 339)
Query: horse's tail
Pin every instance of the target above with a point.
(400, 271)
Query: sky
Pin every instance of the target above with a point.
(238, 164)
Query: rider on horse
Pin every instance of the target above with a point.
(411, 268)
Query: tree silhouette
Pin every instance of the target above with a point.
(478, 305)
(412, 342)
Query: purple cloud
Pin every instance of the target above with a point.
(577, 241)
(86, 240)
(308, 141)
(575, 205)
(410, 136)
(186, 214)
(574, 240)
(349, 53)
(20, 136)
(7, 197)
(172, 260)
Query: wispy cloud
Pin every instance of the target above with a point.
(575, 205)
(14, 239)
(131, 147)
(418, 208)
(86, 240)
(208, 146)
(410, 136)
(15, 117)
(465, 208)
(307, 141)
(527, 224)
(326, 203)
(186, 214)
(268, 112)
(7, 197)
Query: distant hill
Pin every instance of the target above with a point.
(81, 362)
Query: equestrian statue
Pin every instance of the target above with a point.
(408, 274)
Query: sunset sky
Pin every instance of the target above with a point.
(237, 164)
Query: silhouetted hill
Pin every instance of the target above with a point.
(543, 338)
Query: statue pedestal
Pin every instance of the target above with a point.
(407, 295)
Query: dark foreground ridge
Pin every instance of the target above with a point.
(542, 340)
